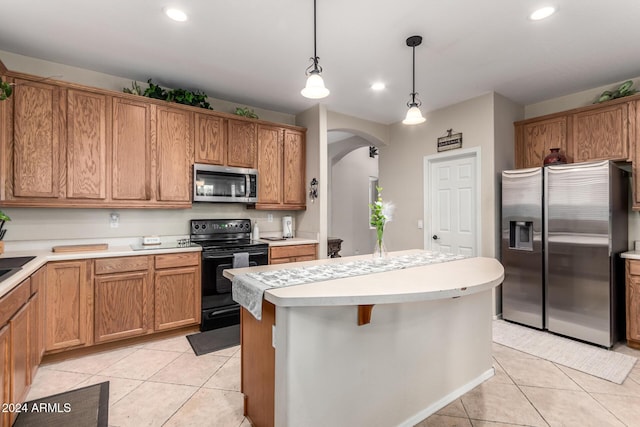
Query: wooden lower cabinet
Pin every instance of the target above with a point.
(36, 350)
(257, 363)
(633, 302)
(292, 253)
(19, 356)
(67, 298)
(5, 377)
(177, 292)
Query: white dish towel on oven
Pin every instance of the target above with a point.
(241, 259)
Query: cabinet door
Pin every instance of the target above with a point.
(20, 370)
(535, 140)
(633, 309)
(34, 330)
(634, 133)
(242, 144)
(174, 154)
(122, 306)
(68, 321)
(600, 134)
(270, 145)
(210, 139)
(177, 297)
(131, 150)
(294, 168)
(39, 281)
(5, 379)
(36, 140)
(86, 145)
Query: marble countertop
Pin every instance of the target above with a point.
(445, 280)
(42, 256)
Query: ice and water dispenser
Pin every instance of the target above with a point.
(521, 235)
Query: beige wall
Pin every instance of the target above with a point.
(349, 216)
(39, 67)
(574, 100)
(401, 168)
(312, 223)
(377, 134)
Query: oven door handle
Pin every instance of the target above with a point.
(211, 256)
(220, 312)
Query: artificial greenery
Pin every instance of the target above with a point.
(625, 89)
(3, 218)
(246, 112)
(5, 90)
(180, 96)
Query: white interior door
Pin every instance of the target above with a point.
(451, 203)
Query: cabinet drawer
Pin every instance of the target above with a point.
(11, 302)
(121, 264)
(293, 251)
(634, 267)
(177, 260)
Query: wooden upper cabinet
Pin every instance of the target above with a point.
(37, 119)
(270, 146)
(242, 143)
(210, 139)
(131, 150)
(600, 134)
(294, 168)
(86, 145)
(174, 154)
(534, 140)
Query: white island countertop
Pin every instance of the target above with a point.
(631, 254)
(429, 282)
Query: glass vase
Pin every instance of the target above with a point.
(379, 251)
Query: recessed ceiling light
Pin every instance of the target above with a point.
(176, 14)
(542, 13)
(378, 86)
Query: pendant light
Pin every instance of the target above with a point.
(414, 115)
(315, 85)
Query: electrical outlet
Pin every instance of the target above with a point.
(269, 217)
(114, 220)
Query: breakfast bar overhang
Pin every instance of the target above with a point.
(383, 349)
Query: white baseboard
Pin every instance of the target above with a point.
(497, 317)
(436, 406)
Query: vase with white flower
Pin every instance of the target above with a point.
(381, 213)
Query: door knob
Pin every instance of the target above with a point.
(435, 237)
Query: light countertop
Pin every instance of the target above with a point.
(631, 254)
(435, 281)
(42, 256)
(289, 242)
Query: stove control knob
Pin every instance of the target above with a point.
(196, 226)
(204, 226)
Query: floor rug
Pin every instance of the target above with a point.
(214, 340)
(83, 407)
(606, 364)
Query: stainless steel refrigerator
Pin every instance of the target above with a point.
(577, 290)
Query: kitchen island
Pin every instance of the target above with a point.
(382, 349)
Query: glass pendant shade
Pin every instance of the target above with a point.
(315, 86)
(414, 116)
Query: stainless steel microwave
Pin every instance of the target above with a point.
(224, 184)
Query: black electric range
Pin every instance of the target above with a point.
(222, 241)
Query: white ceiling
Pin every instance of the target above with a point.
(254, 52)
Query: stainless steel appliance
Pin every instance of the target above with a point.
(563, 229)
(586, 230)
(226, 243)
(522, 247)
(224, 184)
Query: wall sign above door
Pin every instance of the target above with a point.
(450, 141)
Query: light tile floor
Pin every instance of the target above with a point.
(162, 383)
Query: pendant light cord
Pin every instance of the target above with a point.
(413, 89)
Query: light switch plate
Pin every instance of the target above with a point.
(636, 245)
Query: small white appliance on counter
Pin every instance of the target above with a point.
(287, 227)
